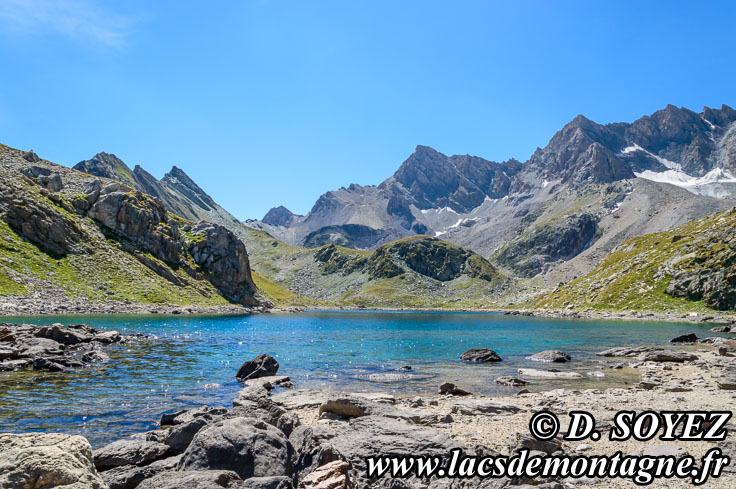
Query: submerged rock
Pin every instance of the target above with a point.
(511, 381)
(547, 374)
(453, 390)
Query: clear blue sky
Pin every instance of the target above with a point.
(275, 102)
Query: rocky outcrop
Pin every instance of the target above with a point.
(561, 239)
(224, 258)
(47, 226)
(45, 461)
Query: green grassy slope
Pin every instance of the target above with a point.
(636, 275)
(336, 276)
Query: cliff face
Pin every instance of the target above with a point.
(65, 214)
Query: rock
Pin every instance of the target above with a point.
(668, 356)
(181, 435)
(128, 452)
(217, 250)
(685, 338)
(31, 156)
(523, 391)
(130, 476)
(301, 398)
(12, 365)
(266, 483)
(727, 379)
(248, 447)
(261, 408)
(95, 356)
(370, 435)
(334, 475)
(184, 416)
(40, 461)
(268, 382)
(545, 374)
(476, 407)
(313, 449)
(287, 423)
(550, 356)
(721, 329)
(529, 442)
(348, 406)
(61, 334)
(107, 337)
(511, 381)
(193, 479)
(664, 451)
(627, 351)
(451, 389)
(484, 355)
(48, 365)
(39, 347)
(261, 366)
(405, 367)
(583, 447)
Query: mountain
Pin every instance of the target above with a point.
(71, 238)
(559, 213)
(179, 193)
(688, 268)
(419, 271)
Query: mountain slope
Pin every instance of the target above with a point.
(71, 238)
(691, 267)
(421, 271)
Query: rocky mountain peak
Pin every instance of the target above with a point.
(278, 216)
(106, 165)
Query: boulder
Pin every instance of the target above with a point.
(180, 417)
(685, 338)
(511, 381)
(246, 446)
(548, 374)
(484, 355)
(193, 479)
(39, 347)
(95, 356)
(108, 337)
(41, 461)
(261, 366)
(61, 334)
(261, 408)
(451, 389)
(179, 436)
(349, 406)
(334, 475)
(128, 452)
(551, 356)
(721, 329)
(130, 476)
(301, 398)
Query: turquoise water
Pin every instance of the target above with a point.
(194, 359)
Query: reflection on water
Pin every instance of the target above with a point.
(194, 359)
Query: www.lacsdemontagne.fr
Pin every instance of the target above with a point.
(642, 470)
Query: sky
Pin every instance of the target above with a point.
(267, 103)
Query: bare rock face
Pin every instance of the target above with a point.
(218, 251)
(41, 461)
(140, 218)
(44, 225)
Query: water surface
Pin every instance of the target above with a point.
(194, 359)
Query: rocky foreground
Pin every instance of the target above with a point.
(278, 437)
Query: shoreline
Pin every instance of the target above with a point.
(429, 423)
(30, 306)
